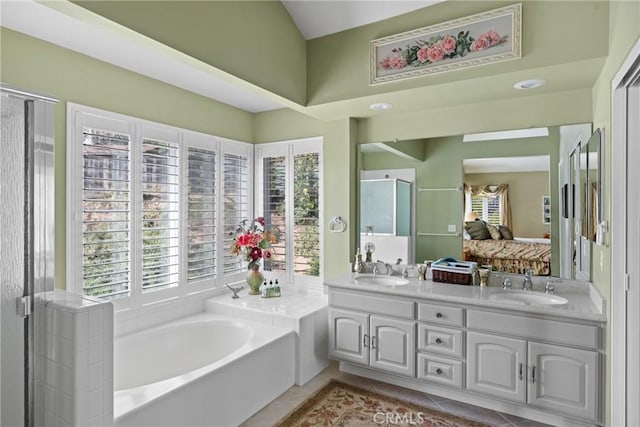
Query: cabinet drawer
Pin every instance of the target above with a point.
(529, 327)
(440, 340)
(440, 370)
(440, 314)
(372, 303)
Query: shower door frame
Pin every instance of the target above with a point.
(37, 254)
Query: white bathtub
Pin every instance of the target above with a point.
(205, 369)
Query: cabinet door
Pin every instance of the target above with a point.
(563, 379)
(496, 366)
(349, 336)
(393, 345)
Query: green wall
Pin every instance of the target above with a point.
(256, 41)
(443, 169)
(624, 31)
(552, 34)
(35, 65)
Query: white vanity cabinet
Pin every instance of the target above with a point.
(392, 345)
(440, 356)
(349, 336)
(374, 338)
(496, 366)
(549, 376)
(544, 366)
(563, 379)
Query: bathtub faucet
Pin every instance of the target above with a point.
(235, 291)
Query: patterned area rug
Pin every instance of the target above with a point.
(340, 404)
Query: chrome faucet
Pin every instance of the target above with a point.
(389, 269)
(527, 284)
(235, 291)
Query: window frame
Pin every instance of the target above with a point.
(79, 117)
(289, 149)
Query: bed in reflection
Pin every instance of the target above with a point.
(512, 256)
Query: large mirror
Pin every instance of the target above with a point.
(594, 185)
(442, 166)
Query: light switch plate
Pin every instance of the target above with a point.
(452, 228)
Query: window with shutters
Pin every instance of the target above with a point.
(289, 197)
(106, 233)
(306, 214)
(201, 214)
(151, 208)
(236, 206)
(274, 209)
(488, 208)
(160, 214)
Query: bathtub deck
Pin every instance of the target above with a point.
(302, 311)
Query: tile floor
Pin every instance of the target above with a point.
(293, 397)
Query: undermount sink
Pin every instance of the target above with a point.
(528, 298)
(380, 280)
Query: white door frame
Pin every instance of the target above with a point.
(625, 303)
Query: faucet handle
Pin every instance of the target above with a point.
(506, 284)
(549, 287)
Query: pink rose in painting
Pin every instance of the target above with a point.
(481, 43)
(448, 44)
(385, 64)
(436, 53)
(493, 37)
(398, 62)
(423, 54)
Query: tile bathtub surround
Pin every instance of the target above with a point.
(305, 311)
(129, 321)
(78, 361)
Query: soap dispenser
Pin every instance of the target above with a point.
(358, 267)
(263, 289)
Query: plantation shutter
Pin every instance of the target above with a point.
(274, 208)
(236, 205)
(488, 208)
(201, 214)
(306, 202)
(160, 214)
(106, 236)
(477, 205)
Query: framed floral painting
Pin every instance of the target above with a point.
(479, 39)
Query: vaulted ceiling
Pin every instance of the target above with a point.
(251, 54)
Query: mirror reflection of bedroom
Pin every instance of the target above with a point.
(507, 213)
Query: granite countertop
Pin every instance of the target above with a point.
(584, 300)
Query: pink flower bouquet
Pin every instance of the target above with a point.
(253, 242)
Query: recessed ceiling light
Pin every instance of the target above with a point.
(378, 106)
(529, 84)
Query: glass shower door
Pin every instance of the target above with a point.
(26, 251)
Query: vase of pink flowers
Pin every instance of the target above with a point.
(253, 242)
